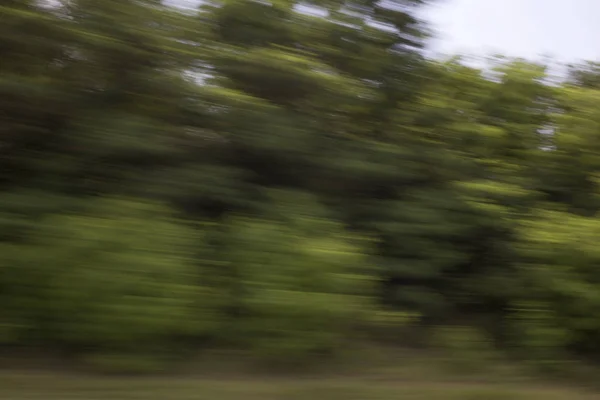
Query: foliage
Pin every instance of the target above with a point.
(295, 281)
(559, 267)
(119, 276)
(273, 135)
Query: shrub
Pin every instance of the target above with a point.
(116, 278)
(295, 280)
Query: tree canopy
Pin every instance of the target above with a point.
(269, 175)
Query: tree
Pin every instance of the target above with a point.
(296, 283)
(118, 277)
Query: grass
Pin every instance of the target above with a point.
(56, 386)
(374, 377)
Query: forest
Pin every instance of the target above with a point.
(288, 179)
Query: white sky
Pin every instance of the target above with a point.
(566, 30)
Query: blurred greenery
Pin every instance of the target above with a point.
(289, 185)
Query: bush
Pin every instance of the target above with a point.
(295, 281)
(117, 278)
(558, 311)
(465, 348)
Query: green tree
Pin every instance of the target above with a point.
(297, 283)
(559, 310)
(117, 277)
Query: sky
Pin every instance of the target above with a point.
(566, 30)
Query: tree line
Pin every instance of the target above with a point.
(250, 175)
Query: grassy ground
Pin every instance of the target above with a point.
(376, 378)
(21, 386)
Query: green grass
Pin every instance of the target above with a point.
(372, 375)
(57, 386)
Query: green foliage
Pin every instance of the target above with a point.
(464, 348)
(277, 138)
(295, 279)
(559, 267)
(119, 276)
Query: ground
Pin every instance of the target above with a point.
(389, 376)
(58, 386)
